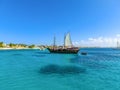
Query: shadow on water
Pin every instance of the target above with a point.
(39, 55)
(91, 62)
(62, 70)
(17, 54)
(42, 52)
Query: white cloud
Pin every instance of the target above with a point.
(99, 42)
(118, 35)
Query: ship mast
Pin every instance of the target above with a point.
(64, 40)
(54, 42)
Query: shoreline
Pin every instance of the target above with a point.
(18, 48)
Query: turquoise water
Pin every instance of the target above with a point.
(38, 70)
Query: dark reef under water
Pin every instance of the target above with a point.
(62, 70)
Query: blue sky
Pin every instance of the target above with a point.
(37, 21)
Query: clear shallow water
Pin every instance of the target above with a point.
(36, 70)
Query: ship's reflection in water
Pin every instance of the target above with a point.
(62, 70)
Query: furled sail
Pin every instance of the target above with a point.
(67, 41)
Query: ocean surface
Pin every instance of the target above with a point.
(40, 70)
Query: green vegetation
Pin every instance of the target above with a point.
(12, 45)
(31, 46)
(21, 46)
(2, 44)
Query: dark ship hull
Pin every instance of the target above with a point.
(64, 51)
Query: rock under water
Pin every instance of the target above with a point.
(56, 69)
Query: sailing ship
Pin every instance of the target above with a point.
(67, 48)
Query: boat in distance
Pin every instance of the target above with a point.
(68, 47)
